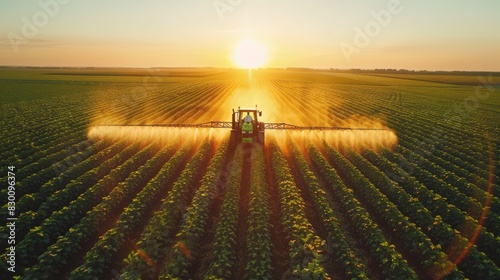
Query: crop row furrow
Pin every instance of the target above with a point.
(461, 201)
(57, 255)
(259, 245)
(44, 159)
(460, 163)
(443, 169)
(36, 188)
(224, 245)
(452, 240)
(305, 246)
(432, 257)
(159, 232)
(187, 95)
(98, 259)
(449, 147)
(352, 267)
(61, 221)
(391, 262)
(32, 245)
(62, 197)
(415, 242)
(32, 182)
(194, 222)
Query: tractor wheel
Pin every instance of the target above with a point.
(261, 137)
(233, 139)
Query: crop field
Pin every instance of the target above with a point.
(417, 200)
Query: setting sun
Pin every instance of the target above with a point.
(249, 54)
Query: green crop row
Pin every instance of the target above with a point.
(431, 200)
(195, 219)
(475, 263)
(353, 267)
(117, 163)
(21, 153)
(305, 247)
(492, 223)
(259, 244)
(387, 196)
(46, 177)
(61, 221)
(158, 234)
(71, 190)
(454, 154)
(391, 262)
(487, 241)
(38, 237)
(454, 148)
(449, 173)
(97, 260)
(480, 183)
(224, 245)
(414, 240)
(451, 192)
(46, 158)
(34, 200)
(458, 194)
(57, 255)
(477, 177)
(22, 148)
(40, 153)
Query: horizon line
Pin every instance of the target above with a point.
(293, 68)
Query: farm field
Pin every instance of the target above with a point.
(420, 200)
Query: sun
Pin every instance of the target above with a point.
(249, 53)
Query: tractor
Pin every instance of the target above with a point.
(245, 126)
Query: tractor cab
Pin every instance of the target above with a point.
(246, 127)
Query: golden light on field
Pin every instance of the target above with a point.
(249, 53)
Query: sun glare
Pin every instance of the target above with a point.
(249, 54)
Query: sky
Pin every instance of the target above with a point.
(402, 34)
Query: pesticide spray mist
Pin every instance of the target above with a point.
(164, 135)
(338, 139)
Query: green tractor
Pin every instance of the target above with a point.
(245, 126)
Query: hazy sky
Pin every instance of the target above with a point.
(418, 34)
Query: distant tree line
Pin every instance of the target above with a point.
(393, 71)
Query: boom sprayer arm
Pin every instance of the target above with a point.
(220, 124)
(246, 127)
